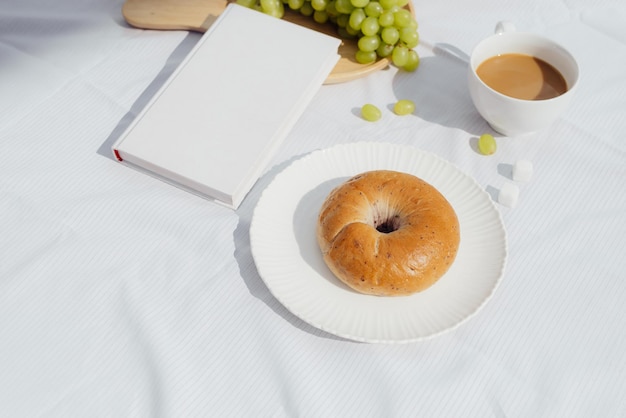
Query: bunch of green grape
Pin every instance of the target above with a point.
(382, 28)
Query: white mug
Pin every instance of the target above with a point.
(508, 115)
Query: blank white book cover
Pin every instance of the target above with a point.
(217, 121)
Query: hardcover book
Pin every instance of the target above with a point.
(215, 124)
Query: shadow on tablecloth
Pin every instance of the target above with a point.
(439, 90)
(173, 61)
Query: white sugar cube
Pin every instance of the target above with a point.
(522, 170)
(509, 193)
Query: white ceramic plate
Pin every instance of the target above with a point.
(284, 247)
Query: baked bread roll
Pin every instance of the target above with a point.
(387, 233)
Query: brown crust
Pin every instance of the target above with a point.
(411, 258)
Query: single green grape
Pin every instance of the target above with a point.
(320, 16)
(370, 112)
(384, 50)
(404, 107)
(385, 19)
(295, 4)
(370, 26)
(402, 18)
(342, 20)
(487, 144)
(365, 57)
(344, 6)
(331, 10)
(373, 9)
(306, 9)
(356, 19)
(390, 35)
(368, 43)
(319, 5)
(400, 55)
(272, 7)
(413, 61)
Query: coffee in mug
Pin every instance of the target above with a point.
(522, 76)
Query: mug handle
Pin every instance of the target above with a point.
(504, 26)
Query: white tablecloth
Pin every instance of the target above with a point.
(123, 296)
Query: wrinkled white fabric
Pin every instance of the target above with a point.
(122, 296)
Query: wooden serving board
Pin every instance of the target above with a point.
(198, 15)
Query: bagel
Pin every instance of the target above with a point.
(387, 233)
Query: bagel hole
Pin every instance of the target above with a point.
(387, 225)
(383, 219)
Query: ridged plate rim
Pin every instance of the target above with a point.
(284, 248)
